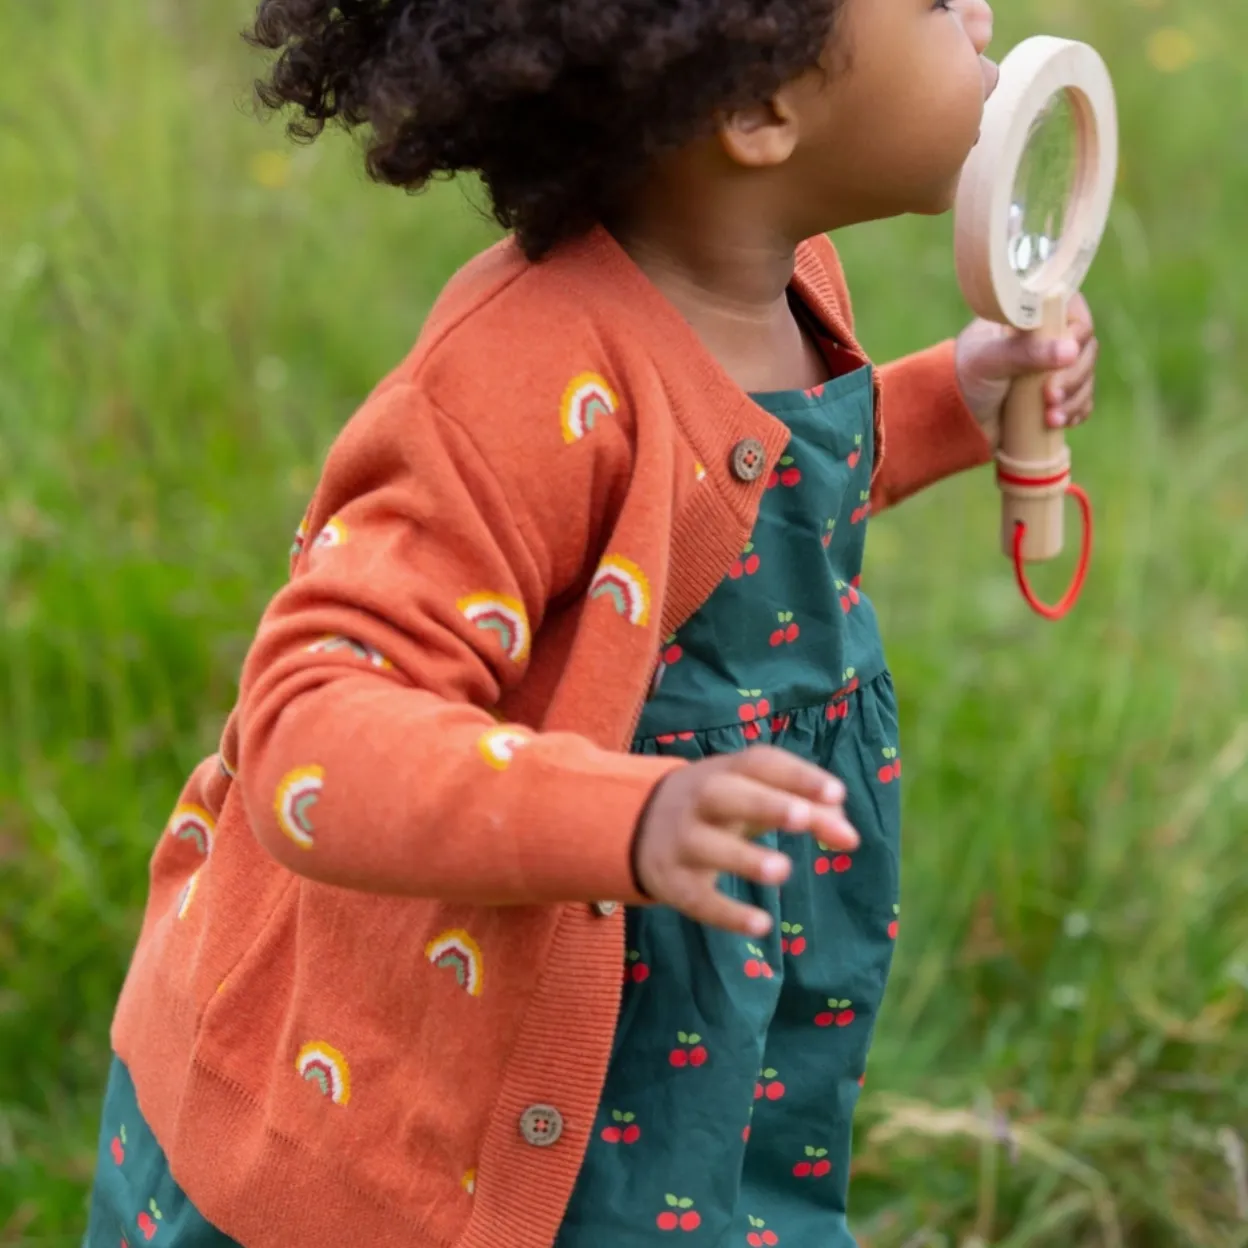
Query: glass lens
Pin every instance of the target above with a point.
(1044, 186)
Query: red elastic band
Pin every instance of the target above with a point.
(1081, 572)
(1008, 478)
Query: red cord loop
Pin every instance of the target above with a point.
(1071, 596)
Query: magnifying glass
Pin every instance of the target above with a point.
(1032, 206)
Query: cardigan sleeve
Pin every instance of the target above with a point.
(368, 754)
(929, 432)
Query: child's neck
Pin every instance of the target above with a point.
(730, 282)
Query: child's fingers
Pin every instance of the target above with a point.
(729, 799)
(711, 849)
(713, 908)
(782, 770)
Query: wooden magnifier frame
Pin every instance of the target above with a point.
(1033, 462)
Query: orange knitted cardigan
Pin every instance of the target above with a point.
(371, 942)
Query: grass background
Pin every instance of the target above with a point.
(190, 308)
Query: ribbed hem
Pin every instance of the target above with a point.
(267, 1191)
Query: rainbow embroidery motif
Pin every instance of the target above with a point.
(457, 951)
(369, 654)
(625, 584)
(193, 823)
(499, 614)
(469, 1181)
(324, 1066)
(187, 895)
(498, 746)
(228, 770)
(297, 794)
(699, 471)
(587, 398)
(333, 534)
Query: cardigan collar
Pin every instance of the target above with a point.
(712, 411)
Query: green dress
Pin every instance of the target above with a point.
(737, 1064)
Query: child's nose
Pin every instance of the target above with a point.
(992, 75)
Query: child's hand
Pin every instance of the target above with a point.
(990, 357)
(700, 819)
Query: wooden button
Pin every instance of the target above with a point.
(605, 909)
(749, 460)
(541, 1125)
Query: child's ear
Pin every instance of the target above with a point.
(761, 135)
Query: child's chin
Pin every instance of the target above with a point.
(939, 202)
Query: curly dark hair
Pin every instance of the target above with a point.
(559, 105)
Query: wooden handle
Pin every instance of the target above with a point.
(1033, 464)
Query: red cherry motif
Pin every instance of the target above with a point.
(679, 1213)
(838, 1013)
(635, 970)
(815, 1166)
(756, 965)
(693, 1054)
(147, 1222)
(892, 927)
(861, 512)
(118, 1152)
(856, 454)
(838, 710)
(755, 707)
(759, 1235)
(828, 531)
(787, 632)
(673, 654)
(787, 474)
(840, 863)
(746, 565)
(768, 1085)
(892, 766)
(780, 722)
(849, 679)
(792, 941)
(623, 1129)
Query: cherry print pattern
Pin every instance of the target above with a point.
(785, 650)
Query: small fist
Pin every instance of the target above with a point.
(701, 819)
(990, 358)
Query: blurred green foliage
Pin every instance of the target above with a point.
(190, 308)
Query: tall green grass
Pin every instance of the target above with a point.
(189, 309)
